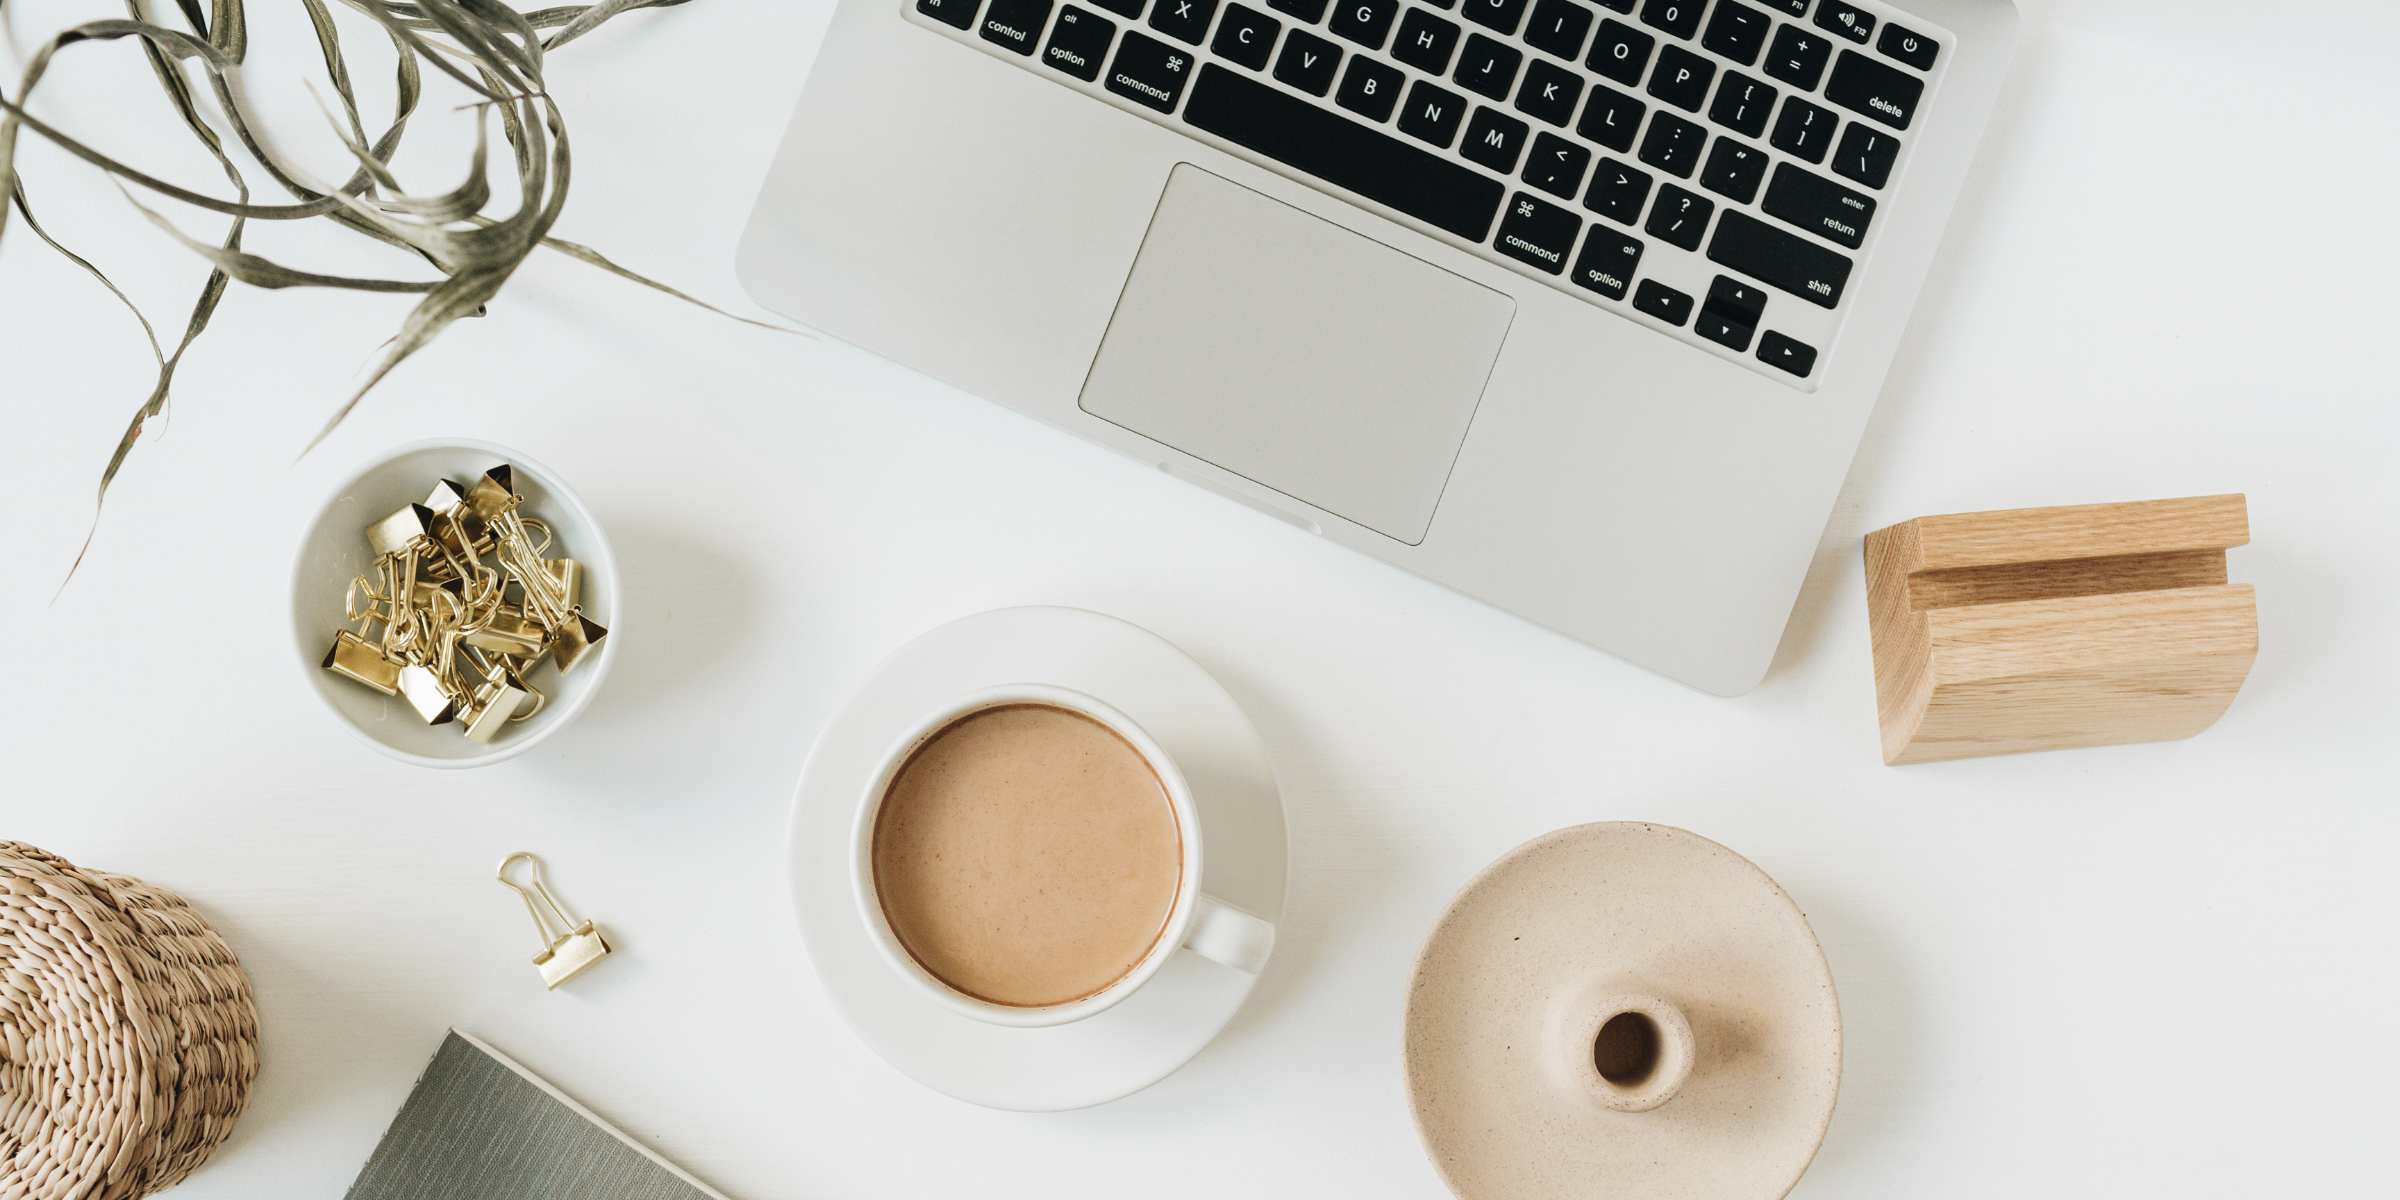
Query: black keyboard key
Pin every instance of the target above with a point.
(1311, 11)
(1682, 78)
(1432, 114)
(1780, 260)
(1621, 52)
(1308, 62)
(1612, 119)
(961, 13)
(1743, 104)
(1488, 68)
(1734, 170)
(1369, 88)
(1724, 330)
(1804, 130)
(1245, 36)
(1366, 22)
(1556, 165)
(1776, 350)
(1149, 71)
(1871, 89)
(1908, 46)
(1494, 140)
(1079, 43)
(1017, 24)
(1500, 16)
(1549, 92)
(1819, 205)
(1797, 8)
(1558, 27)
(1183, 20)
(1607, 262)
(1425, 42)
(1344, 153)
(1623, 6)
(1850, 22)
(1798, 57)
(1538, 232)
(1680, 218)
(1618, 192)
(1734, 300)
(1673, 145)
(1737, 31)
(1663, 302)
(1866, 155)
(1678, 17)
(1730, 314)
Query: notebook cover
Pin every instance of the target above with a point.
(480, 1127)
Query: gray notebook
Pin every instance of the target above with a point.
(480, 1127)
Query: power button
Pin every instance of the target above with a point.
(1908, 46)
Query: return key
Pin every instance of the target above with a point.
(1819, 205)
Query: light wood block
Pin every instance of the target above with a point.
(2051, 628)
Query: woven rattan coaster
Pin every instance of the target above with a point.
(128, 1037)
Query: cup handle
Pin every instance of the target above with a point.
(1222, 933)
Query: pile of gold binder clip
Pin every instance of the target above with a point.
(468, 608)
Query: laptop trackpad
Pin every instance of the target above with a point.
(1298, 354)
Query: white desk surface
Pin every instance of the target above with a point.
(2147, 970)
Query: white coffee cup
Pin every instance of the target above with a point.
(1199, 923)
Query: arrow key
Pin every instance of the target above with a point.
(1736, 301)
(1723, 330)
(1783, 353)
(1663, 302)
(1556, 165)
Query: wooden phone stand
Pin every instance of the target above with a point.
(2049, 628)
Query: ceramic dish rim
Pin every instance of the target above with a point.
(599, 558)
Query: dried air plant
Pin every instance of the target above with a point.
(494, 51)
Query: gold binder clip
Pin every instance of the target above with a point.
(575, 947)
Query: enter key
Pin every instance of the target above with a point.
(1819, 205)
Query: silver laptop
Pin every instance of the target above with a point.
(1575, 306)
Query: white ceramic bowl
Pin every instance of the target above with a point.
(334, 551)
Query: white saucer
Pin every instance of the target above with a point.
(1156, 1030)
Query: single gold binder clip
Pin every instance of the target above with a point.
(574, 948)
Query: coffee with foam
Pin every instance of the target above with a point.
(1026, 855)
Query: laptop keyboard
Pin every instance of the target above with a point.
(1711, 170)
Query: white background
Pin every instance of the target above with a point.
(2146, 970)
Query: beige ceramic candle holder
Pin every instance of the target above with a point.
(2050, 628)
(1622, 1009)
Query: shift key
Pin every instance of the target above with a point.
(1778, 259)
